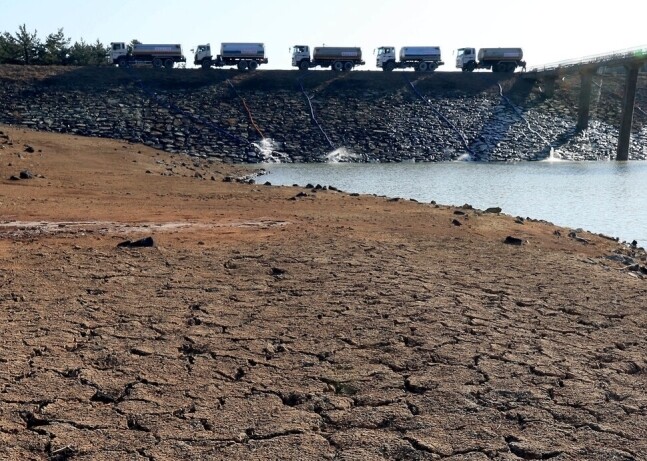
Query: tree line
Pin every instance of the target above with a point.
(24, 47)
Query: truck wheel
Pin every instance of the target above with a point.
(157, 63)
(348, 66)
(304, 65)
(470, 66)
(495, 68)
(389, 66)
(242, 65)
(422, 67)
(253, 65)
(206, 64)
(338, 66)
(122, 62)
(168, 64)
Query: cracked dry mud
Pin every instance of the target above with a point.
(325, 327)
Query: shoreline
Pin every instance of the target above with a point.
(447, 183)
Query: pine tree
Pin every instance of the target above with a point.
(28, 44)
(9, 49)
(55, 49)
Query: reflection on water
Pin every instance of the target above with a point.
(604, 197)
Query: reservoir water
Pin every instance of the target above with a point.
(601, 197)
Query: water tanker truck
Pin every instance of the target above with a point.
(157, 55)
(242, 55)
(497, 59)
(420, 58)
(338, 58)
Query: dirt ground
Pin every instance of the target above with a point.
(279, 323)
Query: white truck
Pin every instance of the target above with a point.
(338, 58)
(157, 55)
(497, 59)
(420, 58)
(242, 55)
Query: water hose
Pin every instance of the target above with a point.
(175, 108)
(313, 117)
(249, 112)
(440, 116)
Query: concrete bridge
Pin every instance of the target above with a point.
(631, 59)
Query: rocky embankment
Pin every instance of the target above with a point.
(313, 117)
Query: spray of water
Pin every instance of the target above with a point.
(553, 156)
(340, 155)
(464, 158)
(269, 150)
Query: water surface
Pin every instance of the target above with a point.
(602, 197)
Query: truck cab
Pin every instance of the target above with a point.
(385, 55)
(466, 59)
(301, 54)
(202, 52)
(117, 50)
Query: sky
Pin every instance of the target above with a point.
(547, 30)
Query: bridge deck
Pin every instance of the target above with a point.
(637, 55)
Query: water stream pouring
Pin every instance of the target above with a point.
(269, 151)
(340, 155)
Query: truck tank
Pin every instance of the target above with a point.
(242, 50)
(157, 50)
(331, 52)
(500, 54)
(424, 53)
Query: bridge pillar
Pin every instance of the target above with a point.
(586, 78)
(627, 112)
(549, 86)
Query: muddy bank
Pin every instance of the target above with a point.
(285, 323)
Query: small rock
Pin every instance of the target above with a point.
(26, 174)
(277, 271)
(456, 222)
(29, 149)
(513, 240)
(494, 209)
(141, 351)
(145, 242)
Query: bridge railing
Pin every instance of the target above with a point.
(612, 56)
